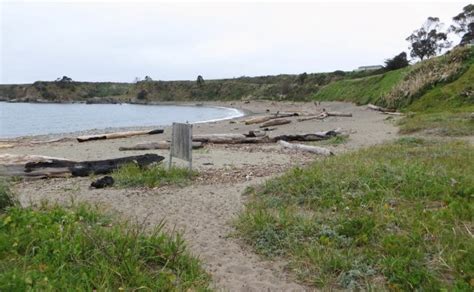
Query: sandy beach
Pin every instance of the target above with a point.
(204, 210)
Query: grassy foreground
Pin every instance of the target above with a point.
(57, 249)
(396, 216)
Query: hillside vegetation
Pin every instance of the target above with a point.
(281, 87)
(400, 88)
(438, 92)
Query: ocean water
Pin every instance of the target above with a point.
(24, 119)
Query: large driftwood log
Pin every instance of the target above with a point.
(306, 148)
(386, 111)
(320, 116)
(263, 119)
(375, 107)
(285, 115)
(118, 135)
(323, 115)
(44, 166)
(230, 139)
(275, 122)
(156, 145)
(317, 136)
(257, 120)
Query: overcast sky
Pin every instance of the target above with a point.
(104, 41)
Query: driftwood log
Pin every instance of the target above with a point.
(257, 120)
(118, 135)
(375, 107)
(386, 111)
(317, 136)
(45, 166)
(325, 114)
(306, 148)
(275, 122)
(320, 116)
(263, 119)
(156, 145)
(230, 139)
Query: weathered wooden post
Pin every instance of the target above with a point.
(182, 143)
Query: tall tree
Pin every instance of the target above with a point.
(464, 24)
(429, 40)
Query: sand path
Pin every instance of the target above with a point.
(204, 211)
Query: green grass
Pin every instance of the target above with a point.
(57, 249)
(439, 123)
(397, 216)
(363, 90)
(132, 175)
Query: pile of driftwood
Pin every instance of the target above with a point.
(252, 137)
(278, 118)
(37, 166)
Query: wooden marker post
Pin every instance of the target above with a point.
(182, 143)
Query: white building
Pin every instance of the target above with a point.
(368, 68)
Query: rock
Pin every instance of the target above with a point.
(106, 181)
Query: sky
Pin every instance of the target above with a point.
(110, 41)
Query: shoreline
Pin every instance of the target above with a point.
(238, 113)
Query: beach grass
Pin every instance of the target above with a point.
(444, 123)
(397, 216)
(79, 249)
(132, 175)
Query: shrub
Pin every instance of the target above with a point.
(397, 62)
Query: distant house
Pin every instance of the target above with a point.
(368, 68)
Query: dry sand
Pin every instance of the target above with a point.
(204, 210)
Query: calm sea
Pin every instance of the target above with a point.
(22, 119)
